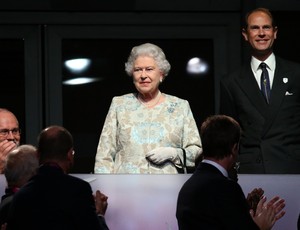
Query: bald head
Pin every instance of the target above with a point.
(5, 114)
(54, 143)
(8, 121)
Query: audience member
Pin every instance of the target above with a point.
(9, 134)
(52, 199)
(209, 199)
(271, 125)
(148, 131)
(21, 164)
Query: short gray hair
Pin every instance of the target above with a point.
(21, 164)
(149, 50)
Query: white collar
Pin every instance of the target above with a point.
(218, 166)
(270, 61)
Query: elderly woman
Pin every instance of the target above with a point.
(148, 131)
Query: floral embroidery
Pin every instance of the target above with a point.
(131, 130)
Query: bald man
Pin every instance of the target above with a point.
(9, 134)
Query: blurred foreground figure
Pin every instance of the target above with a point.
(21, 164)
(209, 199)
(52, 199)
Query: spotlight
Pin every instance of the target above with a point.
(80, 81)
(77, 65)
(196, 66)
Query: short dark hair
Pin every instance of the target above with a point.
(54, 142)
(218, 134)
(260, 9)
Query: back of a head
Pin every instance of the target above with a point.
(218, 134)
(21, 164)
(54, 143)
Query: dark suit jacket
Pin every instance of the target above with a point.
(5, 204)
(270, 140)
(52, 200)
(210, 201)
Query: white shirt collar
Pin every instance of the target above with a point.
(270, 61)
(221, 169)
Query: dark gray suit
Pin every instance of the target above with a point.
(210, 201)
(270, 140)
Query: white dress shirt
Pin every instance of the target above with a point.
(271, 64)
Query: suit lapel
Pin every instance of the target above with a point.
(248, 84)
(279, 87)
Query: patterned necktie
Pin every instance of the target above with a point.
(265, 82)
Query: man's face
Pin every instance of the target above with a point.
(260, 33)
(9, 127)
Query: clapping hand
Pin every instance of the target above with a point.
(267, 213)
(100, 203)
(254, 197)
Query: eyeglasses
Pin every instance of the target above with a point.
(5, 132)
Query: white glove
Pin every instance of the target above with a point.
(162, 154)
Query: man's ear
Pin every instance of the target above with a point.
(235, 148)
(245, 35)
(275, 32)
(71, 154)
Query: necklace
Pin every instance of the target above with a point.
(151, 103)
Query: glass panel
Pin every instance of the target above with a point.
(12, 87)
(85, 106)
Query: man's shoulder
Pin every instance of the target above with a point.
(52, 182)
(237, 73)
(282, 62)
(76, 180)
(6, 202)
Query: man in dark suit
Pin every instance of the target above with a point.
(270, 141)
(209, 199)
(52, 199)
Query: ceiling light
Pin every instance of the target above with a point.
(78, 65)
(196, 66)
(80, 81)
